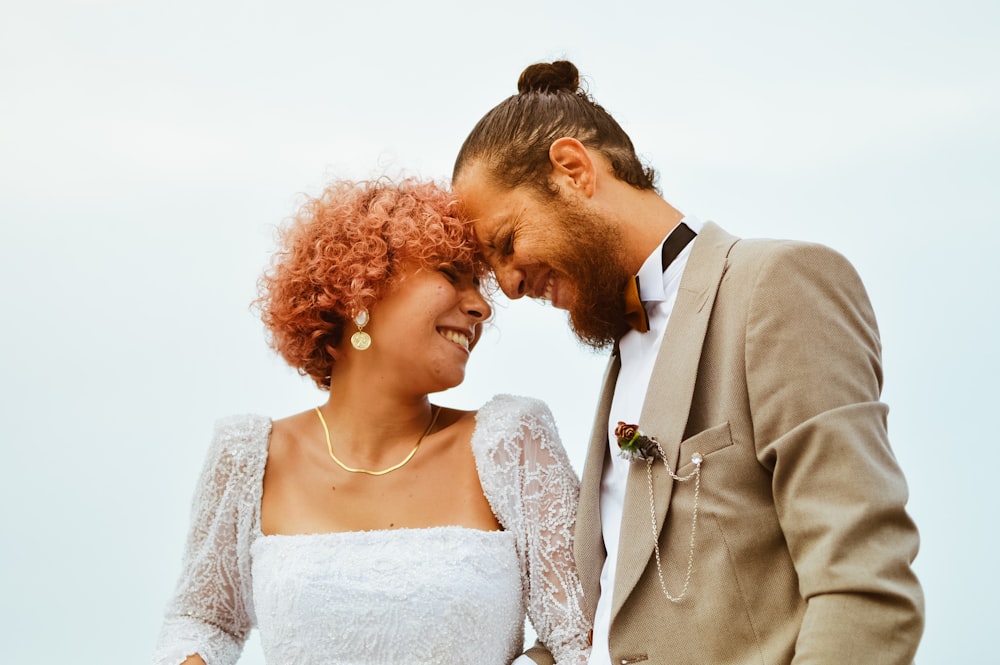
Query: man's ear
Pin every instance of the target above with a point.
(572, 166)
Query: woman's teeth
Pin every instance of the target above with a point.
(457, 337)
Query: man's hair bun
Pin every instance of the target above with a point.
(549, 77)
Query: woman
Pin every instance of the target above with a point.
(380, 528)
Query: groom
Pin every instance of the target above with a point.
(754, 512)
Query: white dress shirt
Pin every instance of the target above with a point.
(658, 291)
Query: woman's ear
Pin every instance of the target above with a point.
(572, 166)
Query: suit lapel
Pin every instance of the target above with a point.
(667, 404)
(589, 539)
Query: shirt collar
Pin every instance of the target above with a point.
(651, 275)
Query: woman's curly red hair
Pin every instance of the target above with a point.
(341, 251)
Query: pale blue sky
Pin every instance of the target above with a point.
(148, 149)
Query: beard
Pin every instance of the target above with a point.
(591, 254)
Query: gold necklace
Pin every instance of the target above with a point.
(329, 446)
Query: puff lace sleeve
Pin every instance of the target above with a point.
(210, 613)
(531, 486)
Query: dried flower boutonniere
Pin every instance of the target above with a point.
(634, 445)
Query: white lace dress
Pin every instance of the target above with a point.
(405, 596)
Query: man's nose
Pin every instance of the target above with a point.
(511, 282)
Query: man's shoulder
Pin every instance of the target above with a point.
(756, 250)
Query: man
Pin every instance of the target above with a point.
(760, 517)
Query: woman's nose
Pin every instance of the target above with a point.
(476, 305)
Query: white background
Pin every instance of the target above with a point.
(147, 150)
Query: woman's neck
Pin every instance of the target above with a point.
(370, 423)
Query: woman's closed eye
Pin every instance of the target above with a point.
(450, 270)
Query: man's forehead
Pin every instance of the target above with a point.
(477, 188)
(491, 211)
(489, 226)
(495, 210)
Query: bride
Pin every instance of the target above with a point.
(379, 527)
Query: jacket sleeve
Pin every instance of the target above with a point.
(813, 362)
(208, 613)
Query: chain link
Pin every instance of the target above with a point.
(696, 459)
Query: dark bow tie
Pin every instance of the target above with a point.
(635, 313)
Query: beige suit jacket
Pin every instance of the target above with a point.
(770, 367)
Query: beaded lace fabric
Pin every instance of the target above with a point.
(406, 596)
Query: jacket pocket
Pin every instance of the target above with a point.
(706, 442)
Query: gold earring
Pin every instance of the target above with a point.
(361, 340)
